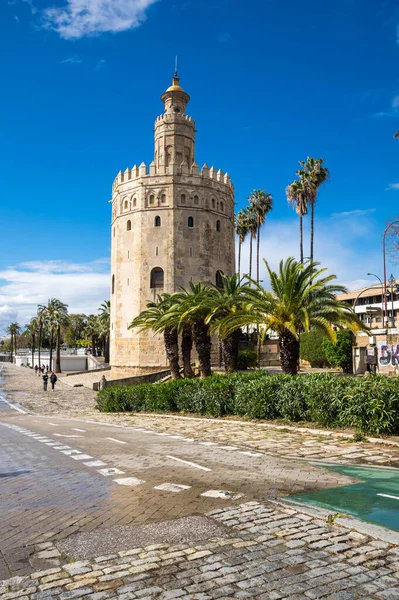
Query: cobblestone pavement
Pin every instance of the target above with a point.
(269, 552)
(80, 403)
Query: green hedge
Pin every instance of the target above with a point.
(370, 404)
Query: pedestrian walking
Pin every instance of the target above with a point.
(45, 382)
(36, 370)
(53, 380)
(103, 383)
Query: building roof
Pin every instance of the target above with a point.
(365, 292)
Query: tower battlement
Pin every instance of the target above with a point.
(177, 117)
(144, 171)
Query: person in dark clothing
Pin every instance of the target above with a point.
(53, 380)
(45, 382)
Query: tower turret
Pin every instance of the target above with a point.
(174, 130)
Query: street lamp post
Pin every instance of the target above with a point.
(392, 283)
(382, 295)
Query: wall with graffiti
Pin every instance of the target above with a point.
(388, 354)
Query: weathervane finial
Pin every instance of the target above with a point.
(176, 73)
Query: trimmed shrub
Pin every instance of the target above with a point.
(369, 404)
(247, 359)
(340, 353)
(311, 348)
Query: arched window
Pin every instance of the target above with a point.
(129, 226)
(213, 202)
(219, 279)
(152, 197)
(126, 204)
(196, 200)
(218, 225)
(163, 199)
(221, 206)
(157, 222)
(113, 284)
(156, 278)
(190, 222)
(183, 198)
(134, 201)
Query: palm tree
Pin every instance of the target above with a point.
(261, 203)
(313, 175)
(31, 330)
(56, 315)
(296, 196)
(151, 318)
(242, 228)
(193, 310)
(302, 297)
(92, 331)
(252, 229)
(222, 302)
(105, 326)
(41, 319)
(13, 330)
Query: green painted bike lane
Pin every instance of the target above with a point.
(374, 499)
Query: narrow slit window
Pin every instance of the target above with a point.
(218, 225)
(129, 226)
(190, 222)
(157, 222)
(113, 284)
(190, 253)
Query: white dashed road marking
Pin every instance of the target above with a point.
(191, 464)
(53, 424)
(172, 487)
(67, 436)
(76, 429)
(117, 441)
(81, 457)
(70, 452)
(131, 481)
(111, 471)
(221, 494)
(95, 463)
(208, 443)
(249, 453)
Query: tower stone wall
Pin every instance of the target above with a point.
(171, 223)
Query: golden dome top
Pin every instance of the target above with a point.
(175, 87)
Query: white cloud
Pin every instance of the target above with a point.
(100, 64)
(72, 60)
(85, 18)
(83, 287)
(354, 213)
(392, 186)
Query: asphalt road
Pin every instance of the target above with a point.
(61, 478)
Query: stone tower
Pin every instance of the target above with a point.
(171, 223)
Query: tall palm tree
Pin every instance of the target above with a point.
(92, 331)
(241, 228)
(41, 319)
(296, 196)
(302, 297)
(31, 330)
(252, 229)
(313, 174)
(222, 302)
(151, 318)
(13, 330)
(261, 203)
(105, 326)
(56, 315)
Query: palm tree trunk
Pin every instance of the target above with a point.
(93, 345)
(186, 347)
(239, 258)
(106, 350)
(289, 352)
(301, 236)
(40, 339)
(202, 342)
(312, 232)
(58, 351)
(12, 348)
(230, 351)
(258, 347)
(250, 256)
(257, 251)
(51, 350)
(171, 339)
(33, 349)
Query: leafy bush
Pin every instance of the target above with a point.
(311, 348)
(247, 359)
(369, 404)
(340, 353)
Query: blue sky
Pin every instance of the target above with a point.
(271, 82)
